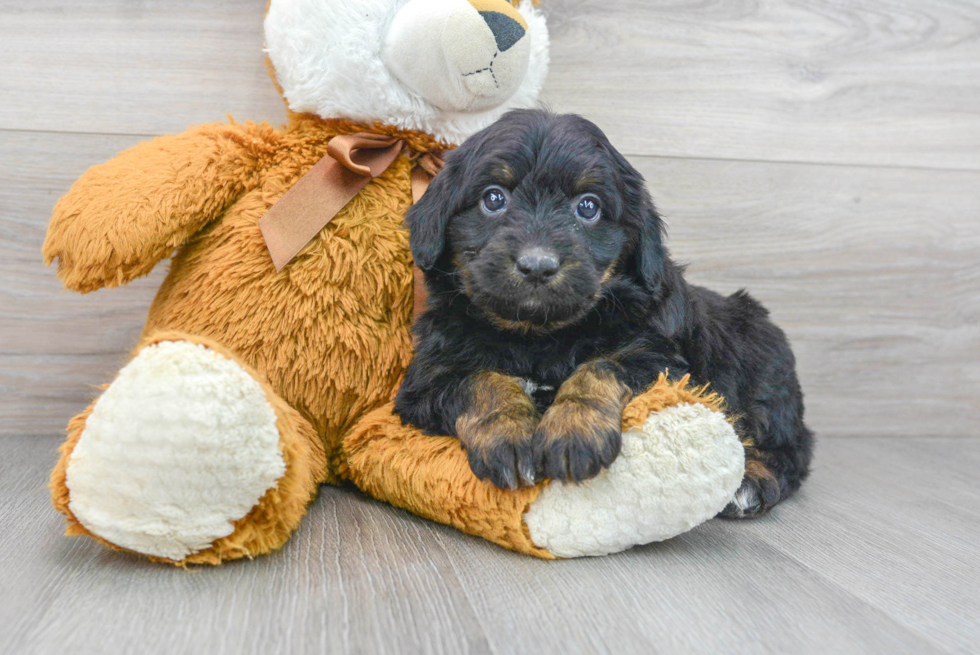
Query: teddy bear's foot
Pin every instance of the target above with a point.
(187, 457)
(680, 464)
(677, 469)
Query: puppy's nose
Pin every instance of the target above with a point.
(537, 264)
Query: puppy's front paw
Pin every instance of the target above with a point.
(499, 447)
(497, 429)
(577, 438)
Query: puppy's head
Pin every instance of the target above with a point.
(532, 217)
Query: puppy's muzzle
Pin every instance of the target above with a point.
(538, 265)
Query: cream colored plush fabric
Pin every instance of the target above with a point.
(678, 469)
(369, 61)
(183, 443)
(446, 52)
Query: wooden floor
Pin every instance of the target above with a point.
(824, 154)
(877, 555)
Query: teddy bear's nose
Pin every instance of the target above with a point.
(506, 30)
(459, 55)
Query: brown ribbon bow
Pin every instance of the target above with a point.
(352, 161)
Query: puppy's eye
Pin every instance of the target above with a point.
(494, 200)
(588, 208)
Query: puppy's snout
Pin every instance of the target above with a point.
(538, 265)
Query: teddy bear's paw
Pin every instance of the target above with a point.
(180, 446)
(676, 470)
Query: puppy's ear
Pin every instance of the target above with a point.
(427, 219)
(650, 255)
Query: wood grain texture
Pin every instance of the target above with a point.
(887, 82)
(55, 347)
(870, 496)
(877, 554)
(124, 67)
(874, 279)
(873, 273)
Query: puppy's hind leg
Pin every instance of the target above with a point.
(758, 493)
(771, 475)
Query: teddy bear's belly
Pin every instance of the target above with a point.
(330, 332)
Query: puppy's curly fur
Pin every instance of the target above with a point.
(553, 300)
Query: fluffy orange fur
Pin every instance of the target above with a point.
(328, 337)
(431, 476)
(329, 334)
(278, 512)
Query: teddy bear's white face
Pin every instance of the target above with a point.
(445, 67)
(460, 55)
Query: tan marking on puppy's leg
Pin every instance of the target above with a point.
(756, 470)
(497, 428)
(755, 462)
(580, 434)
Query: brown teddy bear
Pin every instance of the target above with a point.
(277, 340)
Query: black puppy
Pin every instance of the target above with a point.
(553, 300)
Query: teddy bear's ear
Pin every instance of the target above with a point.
(428, 218)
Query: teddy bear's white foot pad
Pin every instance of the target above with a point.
(182, 444)
(678, 469)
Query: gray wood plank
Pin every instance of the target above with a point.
(896, 523)
(874, 280)
(707, 591)
(873, 273)
(55, 347)
(356, 578)
(886, 82)
(122, 67)
(893, 82)
(834, 570)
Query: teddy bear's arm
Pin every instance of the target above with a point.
(122, 217)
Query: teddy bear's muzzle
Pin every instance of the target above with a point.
(460, 55)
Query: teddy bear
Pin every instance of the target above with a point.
(273, 349)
